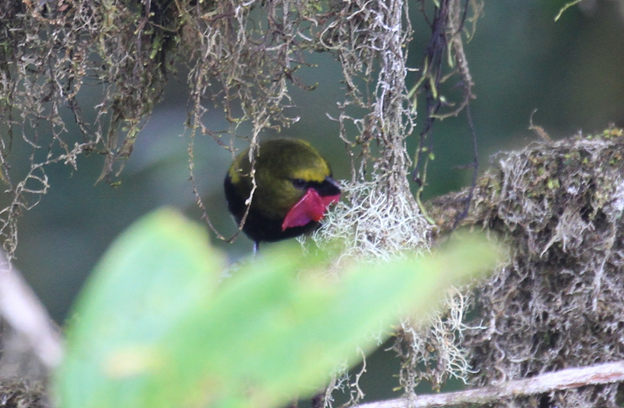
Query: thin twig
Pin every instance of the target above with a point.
(24, 312)
(559, 380)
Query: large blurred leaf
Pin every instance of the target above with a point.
(160, 268)
(151, 331)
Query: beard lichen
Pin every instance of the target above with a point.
(558, 302)
(82, 77)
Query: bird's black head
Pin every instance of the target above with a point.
(294, 188)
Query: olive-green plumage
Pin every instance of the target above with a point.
(285, 170)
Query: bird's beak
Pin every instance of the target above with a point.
(329, 187)
(313, 204)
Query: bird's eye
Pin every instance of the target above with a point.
(300, 184)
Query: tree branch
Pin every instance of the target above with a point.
(21, 308)
(558, 380)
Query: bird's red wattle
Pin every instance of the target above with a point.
(311, 207)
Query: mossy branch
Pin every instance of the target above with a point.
(556, 381)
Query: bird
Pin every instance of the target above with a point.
(294, 188)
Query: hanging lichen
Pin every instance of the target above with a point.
(558, 302)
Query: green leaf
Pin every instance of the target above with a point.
(272, 332)
(161, 267)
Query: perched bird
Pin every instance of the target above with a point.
(294, 189)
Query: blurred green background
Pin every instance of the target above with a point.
(571, 71)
